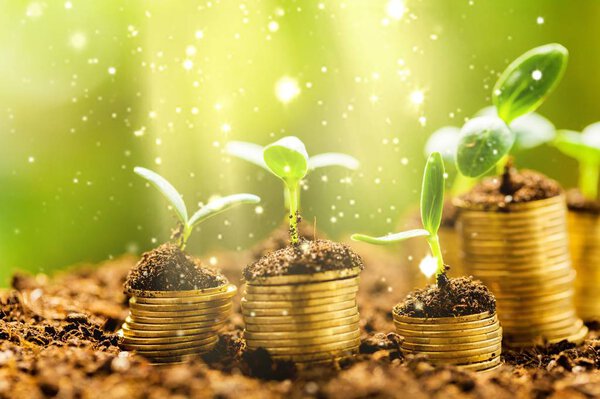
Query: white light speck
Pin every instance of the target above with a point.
(68, 5)
(78, 40)
(199, 34)
(540, 20)
(428, 266)
(286, 89)
(190, 50)
(259, 210)
(324, 69)
(395, 9)
(226, 128)
(536, 75)
(273, 26)
(188, 64)
(31, 159)
(158, 160)
(112, 70)
(213, 261)
(34, 10)
(417, 97)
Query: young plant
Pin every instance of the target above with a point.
(432, 202)
(287, 159)
(585, 148)
(213, 208)
(522, 87)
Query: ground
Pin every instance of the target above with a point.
(58, 340)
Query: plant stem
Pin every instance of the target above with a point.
(185, 234)
(293, 195)
(588, 180)
(436, 251)
(501, 165)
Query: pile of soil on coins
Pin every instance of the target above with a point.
(59, 339)
(168, 268)
(578, 203)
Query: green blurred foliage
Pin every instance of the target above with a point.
(90, 89)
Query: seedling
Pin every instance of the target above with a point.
(585, 148)
(254, 153)
(207, 211)
(432, 202)
(522, 87)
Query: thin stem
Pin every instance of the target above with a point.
(501, 165)
(185, 234)
(588, 179)
(286, 199)
(436, 251)
(293, 195)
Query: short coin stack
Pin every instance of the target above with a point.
(584, 240)
(521, 253)
(471, 342)
(304, 318)
(173, 326)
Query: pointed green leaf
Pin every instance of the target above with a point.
(250, 152)
(287, 159)
(220, 205)
(484, 140)
(445, 141)
(390, 238)
(166, 189)
(432, 193)
(333, 159)
(529, 80)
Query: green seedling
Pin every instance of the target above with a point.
(253, 153)
(432, 202)
(585, 148)
(175, 200)
(522, 87)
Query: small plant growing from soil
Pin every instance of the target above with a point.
(585, 148)
(187, 224)
(432, 202)
(485, 141)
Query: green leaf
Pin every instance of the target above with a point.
(531, 130)
(220, 205)
(584, 148)
(432, 193)
(250, 152)
(287, 159)
(445, 141)
(529, 80)
(333, 159)
(391, 238)
(166, 189)
(484, 140)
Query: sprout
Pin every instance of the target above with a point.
(174, 198)
(432, 202)
(585, 148)
(521, 89)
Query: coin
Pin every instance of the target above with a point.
(306, 278)
(448, 326)
(450, 341)
(177, 307)
(162, 297)
(168, 346)
(444, 333)
(458, 356)
(317, 357)
(164, 327)
(446, 347)
(208, 319)
(302, 342)
(298, 311)
(210, 312)
(250, 304)
(302, 296)
(167, 333)
(306, 350)
(302, 288)
(179, 294)
(482, 366)
(441, 320)
(333, 322)
(177, 352)
(321, 332)
(300, 319)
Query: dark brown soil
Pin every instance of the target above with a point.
(57, 340)
(168, 268)
(306, 257)
(457, 297)
(280, 238)
(525, 186)
(578, 203)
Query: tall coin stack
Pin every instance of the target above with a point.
(584, 240)
(521, 253)
(471, 342)
(303, 318)
(174, 326)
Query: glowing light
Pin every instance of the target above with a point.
(190, 50)
(536, 75)
(417, 97)
(226, 128)
(78, 40)
(273, 26)
(188, 64)
(35, 10)
(68, 5)
(428, 266)
(213, 261)
(112, 70)
(286, 89)
(540, 20)
(395, 9)
(259, 210)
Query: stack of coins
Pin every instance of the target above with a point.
(174, 326)
(303, 318)
(471, 342)
(584, 239)
(521, 253)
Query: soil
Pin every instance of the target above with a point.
(58, 340)
(457, 297)
(280, 238)
(495, 193)
(578, 203)
(306, 257)
(168, 268)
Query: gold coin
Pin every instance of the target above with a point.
(486, 365)
(169, 346)
(540, 320)
(450, 341)
(177, 352)
(505, 300)
(541, 327)
(249, 304)
(576, 337)
(297, 311)
(169, 361)
(302, 296)
(177, 307)
(300, 319)
(302, 342)
(305, 350)
(226, 291)
(180, 294)
(456, 354)
(550, 335)
(530, 235)
(453, 347)
(208, 319)
(441, 320)
(499, 265)
(210, 312)
(319, 333)
(305, 278)
(552, 271)
(448, 326)
(164, 327)
(302, 288)
(557, 239)
(127, 332)
(452, 333)
(333, 322)
(164, 340)
(318, 357)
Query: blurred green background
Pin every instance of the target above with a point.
(90, 89)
